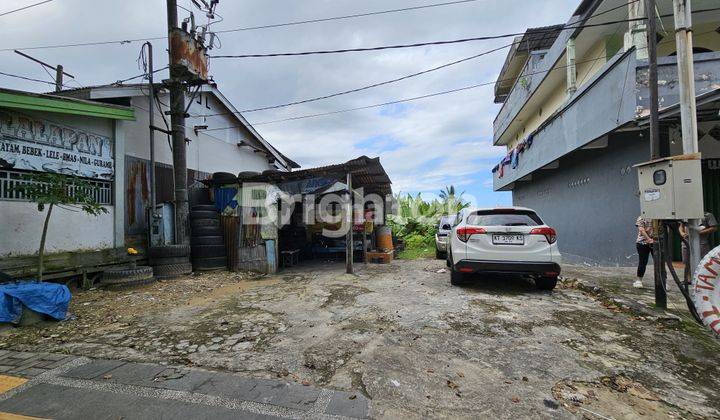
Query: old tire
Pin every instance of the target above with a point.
(125, 273)
(126, 277)
(158, 262)
(208, 251)
(203, 231)
(167, 251)
(173, 270)
(129, 283)
(203, 207)
(208, 240)
(204, 214)
(200, 223)
(546, 283)
(208, 264)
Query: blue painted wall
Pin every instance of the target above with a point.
(591, 200)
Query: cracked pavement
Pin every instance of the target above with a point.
(401, 337)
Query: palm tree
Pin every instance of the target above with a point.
(449, 193)
(453, 202)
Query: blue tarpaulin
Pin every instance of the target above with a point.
(46, 298)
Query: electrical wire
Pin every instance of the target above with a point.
(357, 15)
(404, 77)
(24, 8)
(394, 102)
(17, 76)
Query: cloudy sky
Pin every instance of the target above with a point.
(424, 145)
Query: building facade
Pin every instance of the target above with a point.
(219, 139)
(574, 119)
(42, 133)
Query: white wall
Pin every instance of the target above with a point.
(214, 151)
(22, 223)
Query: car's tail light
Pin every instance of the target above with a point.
(549, 234)
(464, 233)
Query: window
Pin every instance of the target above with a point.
(504, 218)
(9, 180)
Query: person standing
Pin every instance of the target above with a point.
(708, 226)
(644, 245)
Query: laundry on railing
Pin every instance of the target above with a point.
(513, 156)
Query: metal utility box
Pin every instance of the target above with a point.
(671, 188)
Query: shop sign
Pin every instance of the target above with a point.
(32, 144)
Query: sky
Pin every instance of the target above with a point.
(424, 145)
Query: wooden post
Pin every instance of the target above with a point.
(349, 221)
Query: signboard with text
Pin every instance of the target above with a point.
(37, 145)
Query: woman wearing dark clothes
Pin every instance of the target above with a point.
(643, 244)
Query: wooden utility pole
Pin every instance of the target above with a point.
(688, 105)
(177, 119)
(659, 254)
(59, 72)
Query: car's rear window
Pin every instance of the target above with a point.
(504, 218)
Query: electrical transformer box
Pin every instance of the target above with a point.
(671, 188)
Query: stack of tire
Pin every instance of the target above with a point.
(169, 261)
(208, 245)
(122, 277)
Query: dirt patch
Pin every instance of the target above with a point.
(614, 397)
(343, 295)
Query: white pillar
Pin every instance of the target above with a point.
(688, 105)
(571, 67)
(636, 35)
(119, 184)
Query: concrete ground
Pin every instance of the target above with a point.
(401, 338)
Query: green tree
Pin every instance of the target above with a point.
(452, 202)
(55, 190)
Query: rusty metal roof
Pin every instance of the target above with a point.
(367, 173)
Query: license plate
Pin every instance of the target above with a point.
(508, 239)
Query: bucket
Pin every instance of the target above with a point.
(384, 238)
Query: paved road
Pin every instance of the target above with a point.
(65, 387)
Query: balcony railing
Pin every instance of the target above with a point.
(617, 95)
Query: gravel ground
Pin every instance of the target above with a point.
(410, 342)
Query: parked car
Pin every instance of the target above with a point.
(503, 240)
(441, 237)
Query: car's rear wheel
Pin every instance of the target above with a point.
(457, 278)
(439, 255)
(546, 283)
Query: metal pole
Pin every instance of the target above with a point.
(659, 248)
(151, 104)
(177, 117)
(688, 105)
(349, 222)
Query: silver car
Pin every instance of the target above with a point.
(441, 237)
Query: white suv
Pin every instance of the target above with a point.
(503, 240)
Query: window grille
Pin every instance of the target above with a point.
(11, 180)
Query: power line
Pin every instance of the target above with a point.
(357, 15)
(446, 92)
(17, 76)
(374, 85)
(432, 43)
(276, 25)
(401, 78)
(24, 8)
(414, 45)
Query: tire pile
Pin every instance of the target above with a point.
(170, 261)
(121, 277)
(208, 245)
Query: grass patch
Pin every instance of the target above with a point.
(418, 252)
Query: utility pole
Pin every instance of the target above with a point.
(659, 254)
(151, 114)
(177, 118)
(59, 72)
(688, 106)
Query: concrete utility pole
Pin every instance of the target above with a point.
(659, 254)
(59, 72)
(688, 105)
(177, 118)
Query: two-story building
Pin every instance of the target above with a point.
(574, 119)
